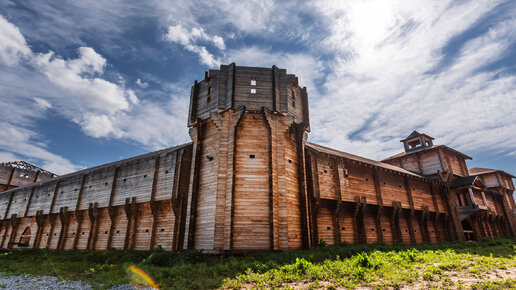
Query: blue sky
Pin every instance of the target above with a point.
(85, 83)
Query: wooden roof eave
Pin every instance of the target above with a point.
(360, 163)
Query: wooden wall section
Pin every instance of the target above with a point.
(110, 206)
(252, 225)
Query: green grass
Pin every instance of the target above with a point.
(490, 262)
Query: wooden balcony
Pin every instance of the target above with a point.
(471, 210)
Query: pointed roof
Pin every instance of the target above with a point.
(27, 166)
(480, 171)
(416, 134)
(465, 181)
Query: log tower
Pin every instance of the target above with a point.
(248, 126)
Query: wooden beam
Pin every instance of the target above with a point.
(195, 186)
(14, 225)
(10, 179)
(356, 223)
(112, 211)
(63, 217)
(378, 191)
(153, 204)
(305, 239)
(411, 214)
(336, 179)
(128, 213)
(40, 222)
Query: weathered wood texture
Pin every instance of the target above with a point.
(249, 181)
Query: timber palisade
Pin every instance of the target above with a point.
(250, 181)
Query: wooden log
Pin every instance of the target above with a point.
(380, 205)
(302, 192)
(112, 212)
(52, 219)
(195, 185)
(63, 217)
(14, 225)
(336, 223)
(40, 223)
(129, 208)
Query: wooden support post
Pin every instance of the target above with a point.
(437, 212)
(31, 195)
(40, 223)
(10, 178)
(361, 215)
(424, 225)
(378, 191)
(394, 225)
(271, 182)
(14, 225)
(175, 200)
(153, 205)
(195, 188)
(305, 239)
(52, 219)
(411, 214)
(129, 212)
(8, 205)
(336, 222)
(63, 217)
(112, 211)
(79, 217)
(135, 210)
(93, 214)
(356, 224)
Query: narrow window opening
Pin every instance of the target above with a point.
(252, 156)
(106, 183)
(253, 81)
(210, 158)
(162, 230)
(328, 228)
(383, 230)
(125, 179)
(105, 232)
(253, 91)
(325, 171)
(343, 228)
(367, 179)
(117, 232)
(372, 230)
(209, 91)
(208, 99)
(166, 172)
(146, 230)
(145, 176)
(289, 161)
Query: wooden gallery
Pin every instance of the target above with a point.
(250, 181)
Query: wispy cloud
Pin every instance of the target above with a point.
(190, 39)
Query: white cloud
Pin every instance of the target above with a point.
(386, 77)
(42, 103)
(190, 40)
(13, 46)
(141, 84)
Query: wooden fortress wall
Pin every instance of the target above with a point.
(356, 202)
(11, 177)
(131, 204)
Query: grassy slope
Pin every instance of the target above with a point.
(490, 263)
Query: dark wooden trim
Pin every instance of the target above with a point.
(411, 214)
(195, 186)
(136, 215)
(29, 202)
(271, 181)
(52, 219)
(112, 212)
(356, 225)
(40, 223)
(8, 205)
(63, 217)
(79, 217)
(233, 177)
(10, 179)
(128, 207)
(378, 191)
(14, 222)
(305, 239)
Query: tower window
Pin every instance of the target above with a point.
(293, 98)
(253, 81)
(253, 91)
(252, 156)
(209, 90)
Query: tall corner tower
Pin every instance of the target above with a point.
(247, 190)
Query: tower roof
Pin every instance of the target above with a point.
(27, 166)
(416, 134)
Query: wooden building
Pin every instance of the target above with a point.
(19, 173)
(249, 181)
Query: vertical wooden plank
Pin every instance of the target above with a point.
(195, 186)
(336, 177)
(411, 215)
(437, 212)
(14, 225)
(153, 205)
(380, 205)
(52, 217)
(79, 216)
(302, 192)
(10, 179)
(112, 212)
